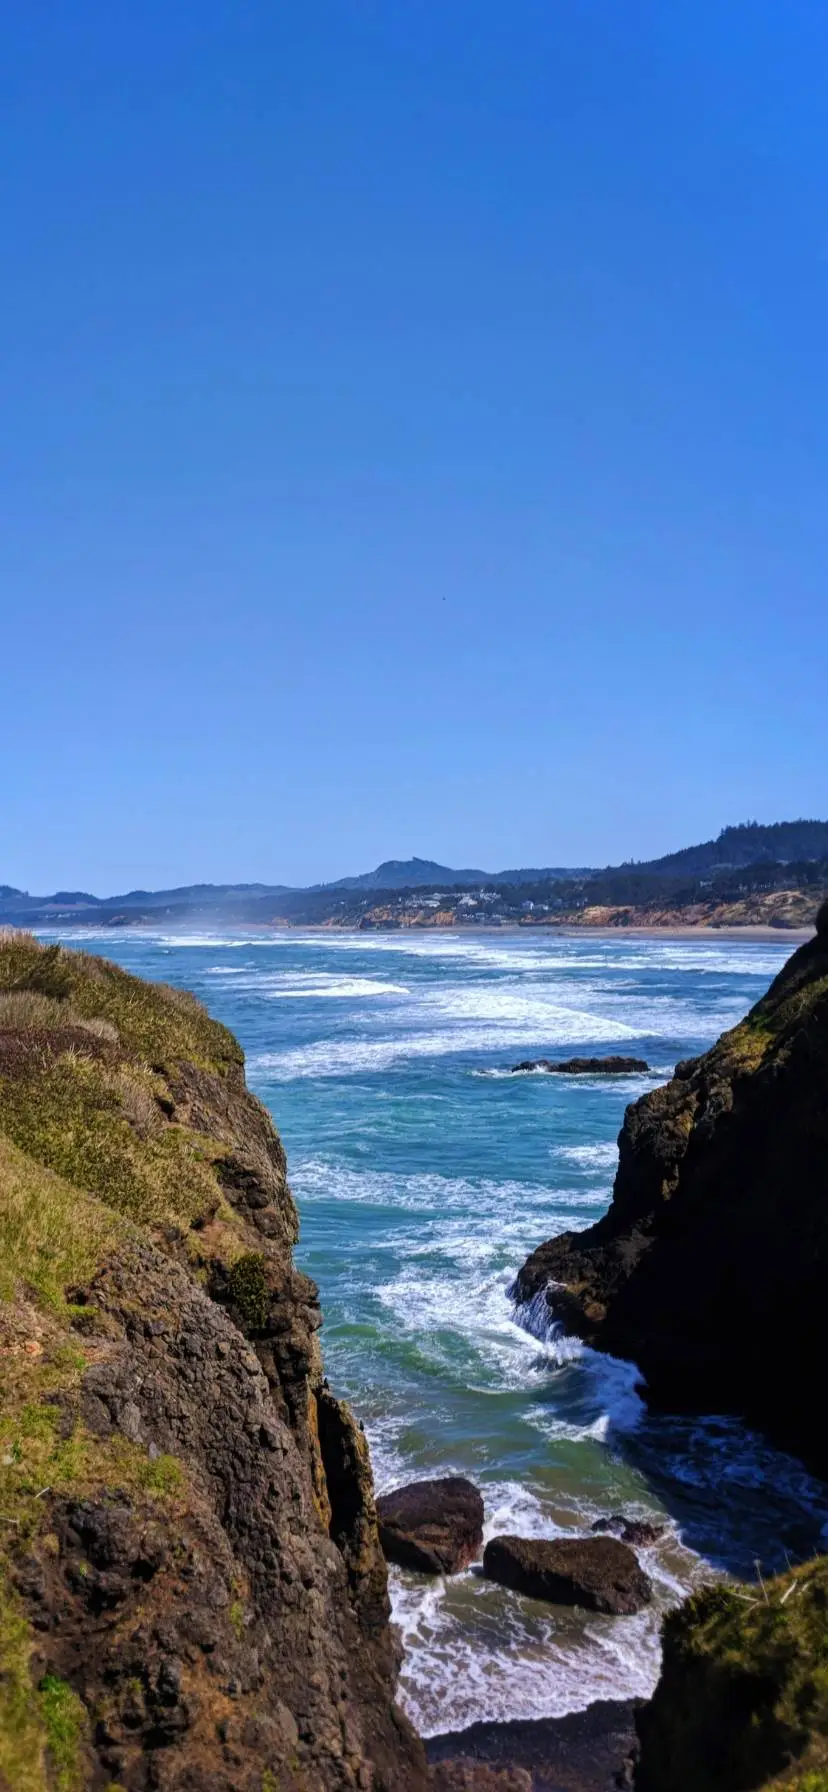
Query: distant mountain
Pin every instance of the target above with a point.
(407, 874)
(197, 895)
(416, 874)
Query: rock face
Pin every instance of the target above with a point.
(584, 1066)
(710, 1269)
(435, 1526)
(192, 1592)
(598, 1573)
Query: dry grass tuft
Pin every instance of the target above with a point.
(137, 1102)
(27, 1009)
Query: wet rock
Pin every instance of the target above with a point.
(584, 1066)
(639, 1532)
(599, 1573)
(434, 1526)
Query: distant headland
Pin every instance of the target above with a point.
(751, 875)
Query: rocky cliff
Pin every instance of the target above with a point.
(710, 1269)
(192, 1594)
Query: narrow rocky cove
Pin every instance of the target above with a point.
(193, 1589)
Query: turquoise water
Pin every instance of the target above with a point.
(424, 1174)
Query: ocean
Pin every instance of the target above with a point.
(424, 1173)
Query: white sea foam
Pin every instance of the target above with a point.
(355, 988)
(295, 985)
(614, 1384)
(593, 1158)
(318, 1178)
(366, 1054)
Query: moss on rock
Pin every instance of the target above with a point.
(249, 1291)
(742, 1702)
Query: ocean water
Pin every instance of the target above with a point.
(424, 1174)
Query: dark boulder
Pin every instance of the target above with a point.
(599, 1573)
(637, 1531)
(434, 1526)
(584, 1066)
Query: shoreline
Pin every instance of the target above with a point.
(585, 1751)
(797, 936)
(695, 930)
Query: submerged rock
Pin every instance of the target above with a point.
(435, 1526)
(599, 1573)
(584, 1066)
(636, 1531)
(710, 1269)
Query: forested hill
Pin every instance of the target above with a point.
(783, 842)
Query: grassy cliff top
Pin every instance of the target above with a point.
(149, 1021)
(90, 1062)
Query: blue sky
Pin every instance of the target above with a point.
(414, 432)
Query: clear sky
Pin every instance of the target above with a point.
(414, 432)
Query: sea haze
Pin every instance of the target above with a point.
(424, 1173)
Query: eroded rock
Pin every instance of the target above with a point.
(715, 1245)
(599, 1573)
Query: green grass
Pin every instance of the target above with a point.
(65, 1722)
(51, 1235)
(93, 1114)
(87, 1150)
(77, 1118)
(22, 1733)
(249, 1290)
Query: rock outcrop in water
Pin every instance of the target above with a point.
(598, 1573)
(433, 1526)
(192, 1592)
(613, 1066)
(710, 1269)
